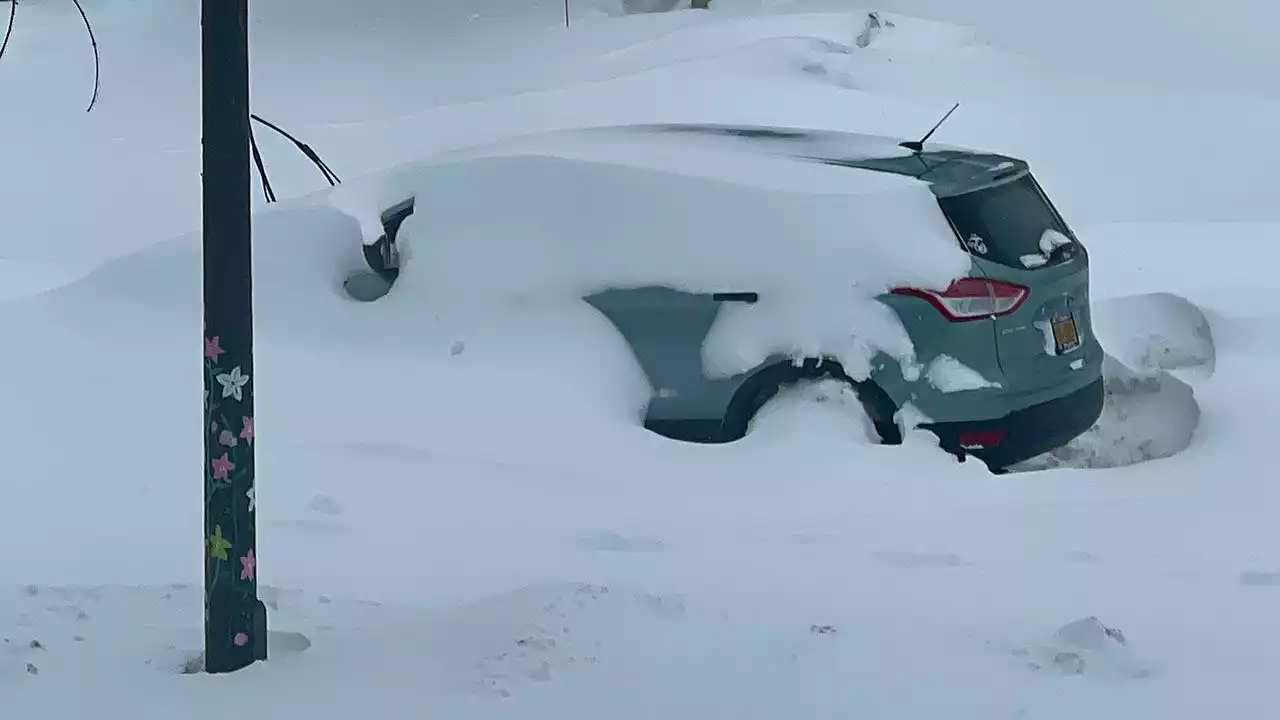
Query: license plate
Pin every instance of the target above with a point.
(1065, 336)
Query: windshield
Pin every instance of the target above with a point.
(1011, 224)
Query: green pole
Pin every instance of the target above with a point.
(235, 619)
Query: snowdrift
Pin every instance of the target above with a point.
(503, 246)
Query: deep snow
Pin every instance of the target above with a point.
(457, 526)
(554, 219)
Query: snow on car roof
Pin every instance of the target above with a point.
(561, 216)
(708, 157)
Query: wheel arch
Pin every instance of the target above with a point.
(767, 382)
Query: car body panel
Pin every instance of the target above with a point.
(972, 344)
(666, 329)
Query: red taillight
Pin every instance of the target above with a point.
(979, 439)
(972, 298)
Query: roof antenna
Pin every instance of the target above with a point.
(918, 145)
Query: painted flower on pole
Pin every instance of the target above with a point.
(218, 545)
(222, 466)
(213, 348)
(247, 566)
(233, 384)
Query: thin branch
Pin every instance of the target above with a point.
(262, 168)
(306, 149)
(97, 59)
(13, 12)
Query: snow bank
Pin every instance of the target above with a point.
(22, 278)
(567, 215)
(726, 36)
(1156, 331)
(527, 356)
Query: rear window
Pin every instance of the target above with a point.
(1010, 224)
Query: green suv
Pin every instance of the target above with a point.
(1019, 321)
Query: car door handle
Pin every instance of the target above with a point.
(742, 297)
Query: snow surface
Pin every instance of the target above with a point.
(458, 515)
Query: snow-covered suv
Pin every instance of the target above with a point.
(1011, 365)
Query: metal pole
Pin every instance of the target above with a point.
(235, 619)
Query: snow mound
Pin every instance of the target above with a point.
(568, 215)
(868, 40)
(23, 278)
(1156, 331)
(730, 38)
(1084, 647)
(828, 405)
(1147, 415)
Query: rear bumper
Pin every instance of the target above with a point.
(1026, 433)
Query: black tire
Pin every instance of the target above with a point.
(768, 383)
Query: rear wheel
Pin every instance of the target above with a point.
(769, 384)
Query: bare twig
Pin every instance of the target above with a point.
(306, 149)
(13, 12)
(97, 60)
(267, 190)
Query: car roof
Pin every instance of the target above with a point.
(948, 171)
(661, 151)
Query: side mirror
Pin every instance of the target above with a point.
(382, 257)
